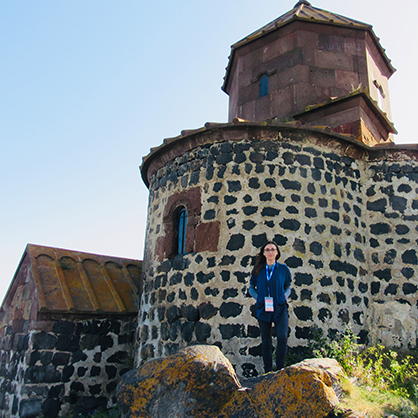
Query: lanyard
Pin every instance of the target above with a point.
(271, 272)
(269, 275)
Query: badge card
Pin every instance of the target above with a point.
(269, 304)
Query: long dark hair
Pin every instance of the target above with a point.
(260, 261)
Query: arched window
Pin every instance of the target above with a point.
(264, 85)
(181, 230)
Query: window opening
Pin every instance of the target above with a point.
(264, 86)
(381, 93)
(181, 231)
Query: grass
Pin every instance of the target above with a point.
(380, 381)
(373, 403)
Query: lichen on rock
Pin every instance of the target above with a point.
(195, 382)
(199, 381)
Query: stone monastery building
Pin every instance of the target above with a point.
(306, 159)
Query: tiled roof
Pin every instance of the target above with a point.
(304, 11)
(77, 282)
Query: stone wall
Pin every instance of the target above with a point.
(63, 364)
(345, 218)
(392, 210)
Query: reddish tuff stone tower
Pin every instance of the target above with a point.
(313, 66)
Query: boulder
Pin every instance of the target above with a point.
(331, 367)
(195, 382)
(199, 381)
(299, 391)
(306, 389)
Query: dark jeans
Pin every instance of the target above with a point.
(282, 327)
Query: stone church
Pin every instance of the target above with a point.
(306, 159)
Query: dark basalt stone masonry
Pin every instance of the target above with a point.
(74, 363)
(344, 216)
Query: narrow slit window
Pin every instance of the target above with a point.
(264, 85)
(181, 231)
(381, 93)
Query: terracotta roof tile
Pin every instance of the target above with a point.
(72, 281)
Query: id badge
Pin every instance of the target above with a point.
(269, 304)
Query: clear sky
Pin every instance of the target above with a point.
(87, 87)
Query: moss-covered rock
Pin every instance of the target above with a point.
(200, 382)
(299, 391)
(195, 382)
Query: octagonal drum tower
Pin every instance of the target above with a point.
(306, 160)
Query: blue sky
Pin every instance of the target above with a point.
(87, 87)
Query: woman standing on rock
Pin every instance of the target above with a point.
(270, 286)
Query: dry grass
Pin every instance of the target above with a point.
(370, 402)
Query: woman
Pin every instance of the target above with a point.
(270, 286)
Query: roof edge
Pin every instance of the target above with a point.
(272, 26)
(388, 124)
(235, 124)
(12, 282)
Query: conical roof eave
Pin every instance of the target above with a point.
(304, 11)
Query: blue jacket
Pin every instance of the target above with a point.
(278, 287)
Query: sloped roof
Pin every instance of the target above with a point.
(304, 11)
(372, 104)
(77, 282)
